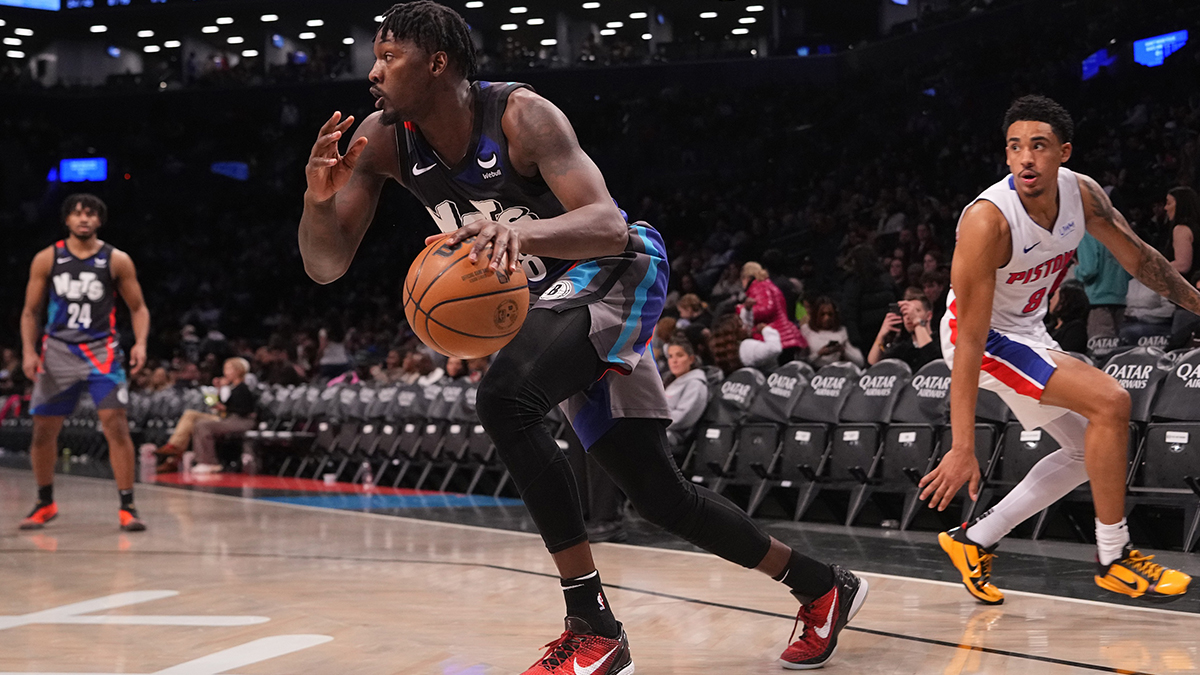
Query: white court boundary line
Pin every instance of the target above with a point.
(420, 521)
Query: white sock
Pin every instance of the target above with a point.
(1047, 482)
(1111, 540)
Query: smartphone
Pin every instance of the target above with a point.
(894, 308)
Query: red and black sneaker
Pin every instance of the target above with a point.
(823, 619)
(129, 520)
(579, 651)
(39, 516)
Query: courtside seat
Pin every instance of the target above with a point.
(716, 438)
(991, 417)
(911, 440)
(758, 439)
(856, 449)
(804, 451)
(1168, 465)
(436, 427)
(407, 413)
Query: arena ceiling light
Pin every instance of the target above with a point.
(378, 18)
(209, 29)
(549, 42)
(474, 4)
(591, 5)
(740, 31)
(536, 21)
(250, 53)
(172, 44)
(224, 20)
(307, 35)
(508, 26)
(347, 40)
(23, 32)
(708, 15)
(518, 10)
(314, 23)
(268, 18)
(151, 49)
(614, 24)
(94, 29)
(754, 8)
(12, 42)
(3, 22)
(638, 15)
(647, 36)
(145, 33)
(607, 31)
(235, 39)
(747, 19)
(15, 54)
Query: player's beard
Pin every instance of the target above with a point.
(82, 237)
(391, 118)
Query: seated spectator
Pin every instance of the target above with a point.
(828, 341)
(687, 390)
(664, 330)
(419, 369)
(237, 417)
(1068, 316)
(1106, 283)
(693, 310)
(867, 295)
(907, 335)
(729, 286)
(476, 369)
(725, 343)
(235, 370)
(333, 358)
(1146, 313)
(761, 352)
(897, 274)
(766, 305)
(390, 370)
(456, 369)
(936, 285)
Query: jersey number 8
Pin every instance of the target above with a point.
(1035, 301)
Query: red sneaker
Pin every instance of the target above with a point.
(823, 619)
(39, 516)
(579, 651)
(130, 521)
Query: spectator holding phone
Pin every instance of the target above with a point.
(906, 334)
(828, 341)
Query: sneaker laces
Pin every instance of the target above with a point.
(804, 614)
(560, 650)
(1142, 564)
(985, 567)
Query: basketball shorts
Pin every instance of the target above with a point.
(1017, 367)
(624, 295)
(67, 370)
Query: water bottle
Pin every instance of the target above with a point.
(147, 461)
(185, 464)
(66, 460)
(249, 467)
(368, 481)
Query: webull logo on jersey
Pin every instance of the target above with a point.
(781, 385)
(737, 392)
(1190, 374)
(449, 217)
(1130, 376)
(877, 385)
(88, 286)
(1040, 271)
(931, 386)
(828, 385)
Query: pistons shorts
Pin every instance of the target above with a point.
(1015, 366)
(67, 370)
(624, 295)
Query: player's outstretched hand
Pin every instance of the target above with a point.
(30, 364)
(505, 241)
(955, 469)
(328, 171)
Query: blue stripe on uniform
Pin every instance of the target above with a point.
(1019, 356)
(635, 318)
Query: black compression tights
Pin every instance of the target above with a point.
(551, 359)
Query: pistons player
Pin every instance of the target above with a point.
(79, 278)
(1015, 242)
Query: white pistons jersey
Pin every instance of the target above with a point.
(1040, 257)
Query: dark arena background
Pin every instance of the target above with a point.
(362, 520)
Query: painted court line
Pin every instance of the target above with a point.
(73, 614)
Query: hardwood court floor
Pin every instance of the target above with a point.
(229, 585)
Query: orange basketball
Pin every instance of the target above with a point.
(462, 309)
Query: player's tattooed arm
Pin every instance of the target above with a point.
(1140, 259)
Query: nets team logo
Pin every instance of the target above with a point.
(561, 289)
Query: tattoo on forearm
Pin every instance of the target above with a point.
(1153, 270)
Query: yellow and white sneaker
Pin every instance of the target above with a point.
(1137, 576)
(974, 562)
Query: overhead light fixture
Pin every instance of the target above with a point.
(518, 10)
(268, 18)
(15, 54)
(740, 31)
(145, 33)
(224, 21)
(209, 29)
(172, 44)
(474, 4)
(13, 42)
(535, 21)
(23, 32)
(3, 22)
(607, 31)
(549, 42)
(708, 15)
(747, 19)
(347, 40)
(314, 23)
(591, 5)
(250, 53)
(754, 8)
(613, 24)
(638, 15)
(378, 18)
(235, 39)
(94, 29)
(508, 26)
(151, 49)
(647, 36)
(307, 35)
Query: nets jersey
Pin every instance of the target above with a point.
(483, 184)
(1040, 257)
(82, 296)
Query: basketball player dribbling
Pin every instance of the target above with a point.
(80, 277)
(1015, 243)
(497, 162)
